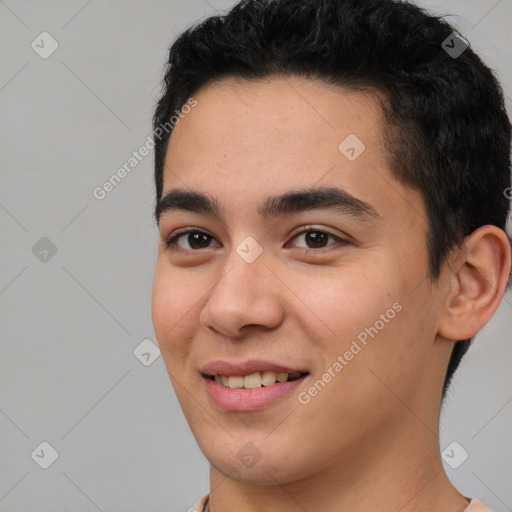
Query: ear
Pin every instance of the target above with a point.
(478, 273)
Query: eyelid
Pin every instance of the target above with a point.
(312, 227)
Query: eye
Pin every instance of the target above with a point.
(316, 239)
(193, 238)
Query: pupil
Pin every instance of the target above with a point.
(198, 238)
(316, 238)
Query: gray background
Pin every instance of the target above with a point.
(70, 324)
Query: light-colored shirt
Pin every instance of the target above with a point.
(474, 505)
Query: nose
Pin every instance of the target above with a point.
(246, 294)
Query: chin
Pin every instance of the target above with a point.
(268, 466)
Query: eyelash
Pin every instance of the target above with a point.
(172, 241)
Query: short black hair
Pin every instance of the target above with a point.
(447, 131)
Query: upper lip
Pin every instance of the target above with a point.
(243, 368)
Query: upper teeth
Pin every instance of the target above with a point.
(255, 380)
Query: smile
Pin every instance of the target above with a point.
(249, 385)
(255, 380)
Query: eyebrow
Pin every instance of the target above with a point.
(294, 201)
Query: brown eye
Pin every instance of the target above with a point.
(198, 240)
(193, 240)
(316, 239)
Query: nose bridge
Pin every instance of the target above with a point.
(245, 294)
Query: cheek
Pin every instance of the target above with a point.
(373, 324)
(162, 307)
(172, 307)
(392, 349)
(172, 310)
(350, 303)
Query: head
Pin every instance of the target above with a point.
(276, 91)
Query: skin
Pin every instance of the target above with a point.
(369, 439)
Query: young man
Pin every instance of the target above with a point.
(331, 206)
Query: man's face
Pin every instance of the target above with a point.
(338, 294)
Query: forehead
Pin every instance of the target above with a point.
(284, 112)
(246, 139)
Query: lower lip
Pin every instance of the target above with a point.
(242, 399)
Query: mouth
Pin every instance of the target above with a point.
(251, 385)
(255, 380)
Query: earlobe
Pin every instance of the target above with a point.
(480, 277)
